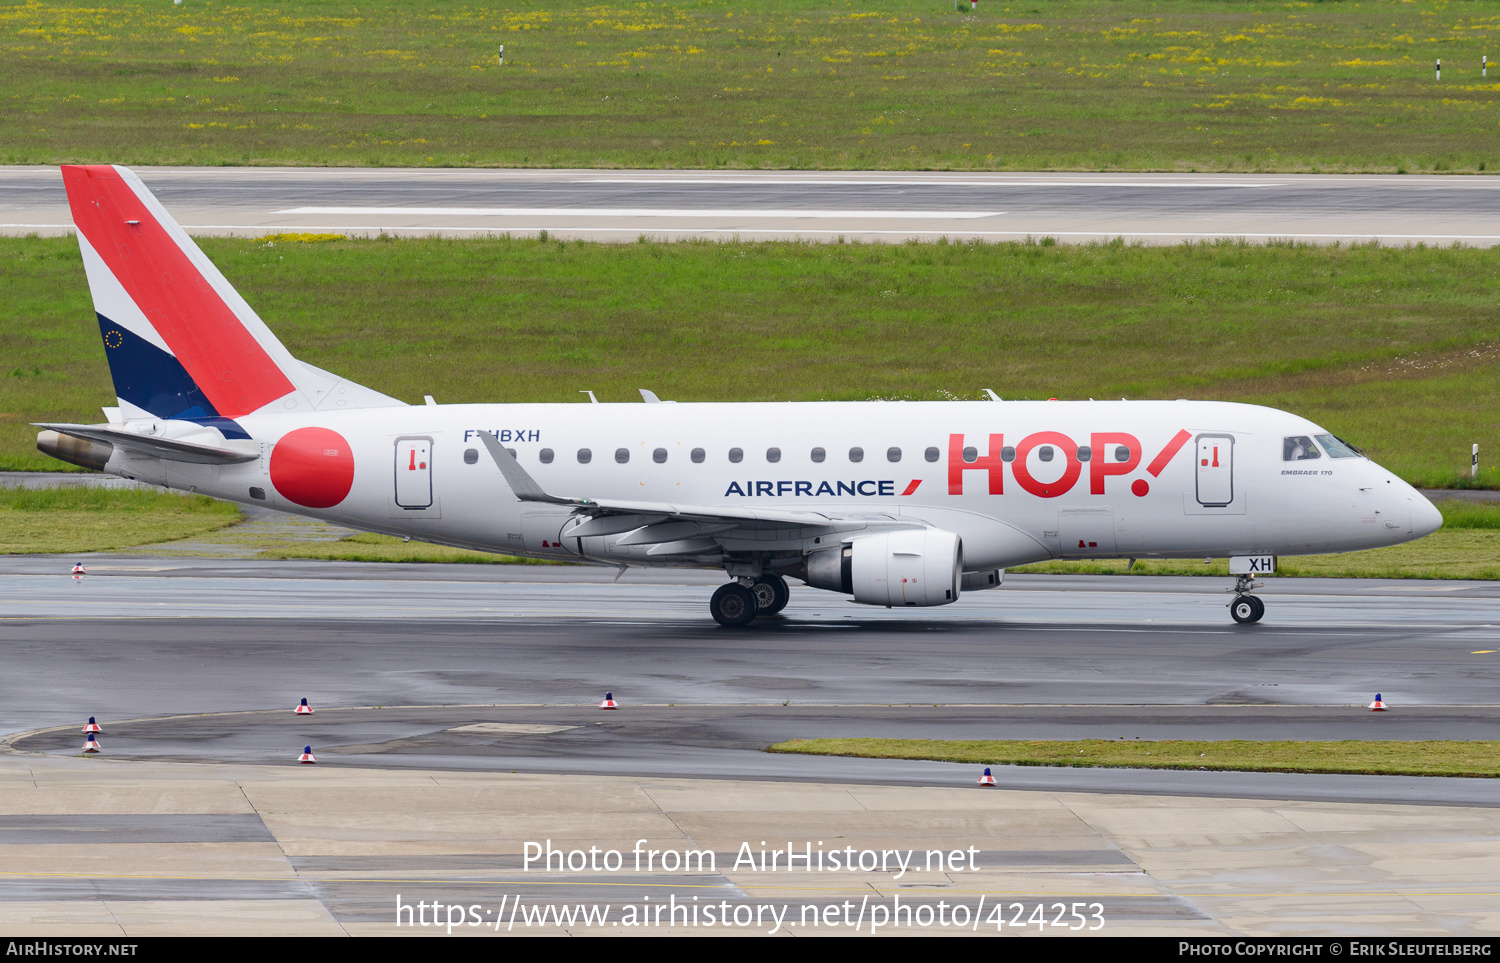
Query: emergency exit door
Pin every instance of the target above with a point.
(1215, 470)
(414, 472)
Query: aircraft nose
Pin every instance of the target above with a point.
(1425, 518)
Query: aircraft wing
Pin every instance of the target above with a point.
(683, 529)
(169, 449)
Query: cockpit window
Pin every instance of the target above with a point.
(1337, 447)
(1299, 448)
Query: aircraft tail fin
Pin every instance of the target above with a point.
(181, 342)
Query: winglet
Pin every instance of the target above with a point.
(525, 487)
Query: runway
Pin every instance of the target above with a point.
(456, 725)
(1042, 657)
(871, 206)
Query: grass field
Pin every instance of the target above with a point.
(99, 519)
(1394, 349)
(1065, 84)
(369, 547)
(1431, 758)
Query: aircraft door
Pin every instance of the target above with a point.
(414, 472)
(540, 532)
(1215, 470)
(1084, 532)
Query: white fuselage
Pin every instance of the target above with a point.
(1227, 489)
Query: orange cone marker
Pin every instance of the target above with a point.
(609, 701)
(1377, 705)
(90, 744)
(986, 779)
(307, 755)
(304, 709)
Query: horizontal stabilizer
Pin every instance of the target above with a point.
(169, 449)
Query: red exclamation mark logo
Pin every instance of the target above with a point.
(413, 465)
(1216, 456)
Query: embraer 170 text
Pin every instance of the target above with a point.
(895, 504)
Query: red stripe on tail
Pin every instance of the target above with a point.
(208, 340)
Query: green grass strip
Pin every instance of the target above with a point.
(1394, 349)
(1176, 85)
(66, 520)
(1427, 758)
(369, 547)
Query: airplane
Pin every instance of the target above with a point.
(895, 504)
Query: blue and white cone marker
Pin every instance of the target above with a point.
(92, 726)
(609, 701)
(1377, 705)
(303, 709)
(90, 744)
(986, 779)
(307, 756)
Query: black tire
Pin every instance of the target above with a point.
(733, 605)
(1260, 608)
(1244, 609)
(771, 594)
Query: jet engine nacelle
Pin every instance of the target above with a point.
(915, 567)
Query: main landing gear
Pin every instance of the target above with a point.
(739, 602)
(771, 594)
(1246, 609)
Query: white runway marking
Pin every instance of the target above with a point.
(772, 232)
(628, 212)
(826, 182)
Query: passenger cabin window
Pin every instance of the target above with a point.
(971, 454)
(1299, 448)
(773, 455)
(585, 456)
(736, 455)
(931, 454)
(1338, 447)
(622, 455)
(893, 454)
(545, 455)
(1007, 453)
(1122, 453)
(511, 452)
(856, 454)
(1085, 453)
(697, 456)
(818, 455)
(659, 456)
(471, 456)
(1044, 453)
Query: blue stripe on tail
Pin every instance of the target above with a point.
(150, 378)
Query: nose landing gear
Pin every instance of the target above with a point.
(1246, 609)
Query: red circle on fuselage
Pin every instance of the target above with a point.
(312, 467)
(1140, 486)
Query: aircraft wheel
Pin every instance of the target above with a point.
(1246, 609)
(771, 594)
(733, 605)
(1260, 608)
